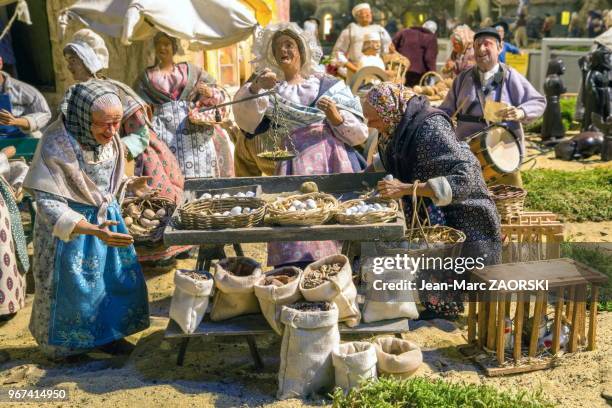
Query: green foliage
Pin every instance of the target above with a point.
(576, 196)
(418, 392)
(599, 260)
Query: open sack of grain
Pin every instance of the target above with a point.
(275, 289)
(310, 335)
(192, 291)
(397, 357)
(354, 362)
(235, 279)
(331, 280)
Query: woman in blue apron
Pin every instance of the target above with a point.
(90, 291)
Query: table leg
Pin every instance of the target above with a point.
(254, 353)
(182, 349)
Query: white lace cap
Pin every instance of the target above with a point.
(106, 101)
(264, 55)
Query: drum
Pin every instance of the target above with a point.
(497, 149)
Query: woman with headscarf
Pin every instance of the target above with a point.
(323, 120)
(417, 144)
(172, 89)
(86, 55)
(90, 291)
(462, 57)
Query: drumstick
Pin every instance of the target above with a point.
(454, 116)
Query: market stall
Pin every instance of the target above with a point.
(211, 244)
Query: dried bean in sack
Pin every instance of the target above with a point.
(309, 337)
(388, 304)
(234, 280)
(275, 289)
(397, 357)
(331, 280)
(354, 362)
(190, 299)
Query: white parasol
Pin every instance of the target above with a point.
(208, 24)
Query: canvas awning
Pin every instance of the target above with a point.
(207, 24)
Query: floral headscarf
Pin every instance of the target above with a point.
(464, 36)
(390, 101)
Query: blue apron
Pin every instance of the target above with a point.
(5, 130)
(99, 292)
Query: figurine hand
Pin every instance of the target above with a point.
(204, 90)
(114, 239)
(9, 151)
(393, 188)
(328, 106)
(265, 80)
(511, 113)
(139, 186)
(7, 118)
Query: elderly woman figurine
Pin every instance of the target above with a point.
(202, 151)
(418, 146)
(323, 117)
(462, 56)
(90, 291)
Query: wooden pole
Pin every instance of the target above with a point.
(535, 329)
(482, 321)
(472, 304)
(581, 306)
(492, 323)
(573, 342)
(558, 321)
(518, 326)
(501, 326)
(593, 317)
(569, 308)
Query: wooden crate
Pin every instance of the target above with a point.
(532, 236)
(568, 284)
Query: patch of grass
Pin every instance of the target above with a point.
(418, 392)
(596, 259)
(576, 196)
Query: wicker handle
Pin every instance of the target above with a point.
(416, 221)
(428, 74)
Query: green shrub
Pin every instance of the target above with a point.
(568, 108)
(418, 392)
(576, 196)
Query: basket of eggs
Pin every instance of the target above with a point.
(302, 209)
(369, 211)
(218, 213)
(146, 217)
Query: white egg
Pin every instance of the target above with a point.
(250, 194)
(225, 195)
(296, 203)
(291, 209)
(217, 214)
(246, 210)
(225, 213)
(363, 208)
(311, 204)
(388, 177)
(206, 196)
(378, 206)
(302, 207)
(348, 212)
(236, 210)
(216, 196)
(360, 203)
(240, 194)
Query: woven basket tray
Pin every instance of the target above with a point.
(208, 117)
(198, 215)
(148, 235)
(439, 241)
(326, 206)
(509, 200)
(374, 217)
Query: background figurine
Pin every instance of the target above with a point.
(552, 127)
(597, 98)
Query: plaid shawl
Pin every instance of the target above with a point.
(76, 108)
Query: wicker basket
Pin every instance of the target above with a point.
(326, 206)
(423, 239)
(509, 200)
(374, 217)
(224, 112)
(427, 75)
(199, 214)
(148, 235)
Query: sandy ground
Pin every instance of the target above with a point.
(218, 372)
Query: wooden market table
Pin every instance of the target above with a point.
(212, 242)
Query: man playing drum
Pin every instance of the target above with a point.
(491, 81)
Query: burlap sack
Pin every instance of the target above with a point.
(354, 362)
(272, 298)
(190, 300)
(340, 289)
(397, 357)
(306, 363)
(388, 304)
(234, 280)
